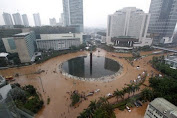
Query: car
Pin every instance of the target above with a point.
(139, 103)
(136, 104)
(89, 94)
(129, 110)
(109, 95)
(98, 90)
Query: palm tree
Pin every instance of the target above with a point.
(122, 93)
(103, 100)
(117, 94)
(136, 87)
(125, 90)
(93, 106)
(129, 89)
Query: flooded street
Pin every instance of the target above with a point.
(54, 85)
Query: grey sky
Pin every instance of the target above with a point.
(95, 11)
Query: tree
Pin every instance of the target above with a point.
(129, 89)
(75, 97)
(103, 100)
(122, 92)
(3, 62)
(135, 88)
(147, 94)
(117, 94)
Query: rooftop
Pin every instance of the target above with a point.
(171, 58)
(165, 107)
(3, 54)
(22, 34)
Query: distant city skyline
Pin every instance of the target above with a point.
(95, 11)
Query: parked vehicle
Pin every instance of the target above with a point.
(98, 90)
(89, 94)
(109, 95)
(136, 104)
(139, 103)
(129, 110)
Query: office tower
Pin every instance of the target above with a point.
(25, 20)
(163, 19)
(17, 19)
(37, 19)
(52, 21)
(7, 19)
(73, 13)
(25, 44)
(128, 22)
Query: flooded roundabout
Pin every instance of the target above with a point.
(63, 74)
(91, 68)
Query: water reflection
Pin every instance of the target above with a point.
(80, 67)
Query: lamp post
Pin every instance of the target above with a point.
(41, 84)
(91, 60)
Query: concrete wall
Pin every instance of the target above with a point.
(144, 42)
(7, 46)
(62, 36)
(57, 44)
(22, 50)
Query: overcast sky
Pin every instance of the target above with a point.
(95, 11)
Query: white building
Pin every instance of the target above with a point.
(25, 20)
(37, 20)
(25, 43)
(172, 61)
(7, 19)
(130, 22)
(144, 42)
(63, 36)
(17, 19)
(52, 21)
(59, 41)
(161, 108)
(57, 44)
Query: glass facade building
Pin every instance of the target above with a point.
(73, 13)
(163, 19)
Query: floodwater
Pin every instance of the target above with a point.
(52, 84)
(86, 67)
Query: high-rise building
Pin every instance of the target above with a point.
(17, 19)
(128, 22)
(25, 20)
(52, 21)
(7, 19)
(37, 20)
(73, 13)
(25, 44)
(163, 19)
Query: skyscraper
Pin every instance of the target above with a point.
(17, 19)
(7, 19)
(73, 13)
(25, 20)
(163, 19)
(52, 21)
(130, 21)
(37, 19)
